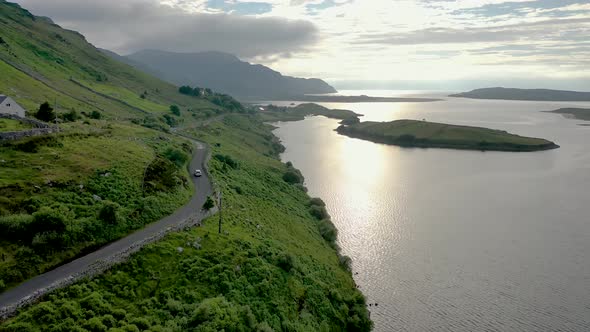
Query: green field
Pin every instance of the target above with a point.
(274, 268)
(7, 125)
(414, 133)
(61, 177)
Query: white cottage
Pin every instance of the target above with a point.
(9, 106)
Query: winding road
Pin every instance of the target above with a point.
(63, 275)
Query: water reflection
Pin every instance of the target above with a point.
(459, 240)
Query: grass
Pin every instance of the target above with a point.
(7, 125)
(65, 172)
(429, 134)
(269, 270)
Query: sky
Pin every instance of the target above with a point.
(413, 44)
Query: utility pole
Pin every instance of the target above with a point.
(220, 210)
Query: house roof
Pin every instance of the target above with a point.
(2, 97)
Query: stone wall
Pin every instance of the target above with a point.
(39, 128)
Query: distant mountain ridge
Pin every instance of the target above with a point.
(525, 94)
(223, 72)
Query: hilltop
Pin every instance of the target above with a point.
(225, 73)
(525, 94)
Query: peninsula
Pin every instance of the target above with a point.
(272, 113)
(525, 94)
(574, 113)
(414, 133)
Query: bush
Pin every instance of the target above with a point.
(319, 212)
(109, 213)
(175, 110)
(292, 177)
(50, 220)
(70, 116)
(317, 202)
(229, 161)
(45, 113)
(160, 175)
(170, 120)
(176, 156)
(95, 115)
(328, 231)
(209, 204)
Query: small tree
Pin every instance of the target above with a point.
(175, 110)
(209, 204)
(96, 115)
(45, 113)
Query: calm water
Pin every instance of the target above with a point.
(448, 240)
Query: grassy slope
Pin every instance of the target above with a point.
(41, 62)
(576, 113)
(273, 266)
(7, 125)
(270, 270)
(428, 134)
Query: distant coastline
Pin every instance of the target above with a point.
(524, 94)
(354, 99)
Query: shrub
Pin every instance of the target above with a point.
(176, 156)
(160, 175)
(286, 262)
(45, 113)
(71, 116)
(209, 204)
(109, 213)
(328, 231)
(317, 202)
(170, 120)
(229, 161)
(319, 212)
(292, 177)
(175, 110)
(95, 115)
(49, 220)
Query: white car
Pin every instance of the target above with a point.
(198, 173)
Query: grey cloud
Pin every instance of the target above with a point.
(128, 26)
(548, 30)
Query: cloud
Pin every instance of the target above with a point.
(132, 25)
(568, 29)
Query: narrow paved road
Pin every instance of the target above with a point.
(193, 208)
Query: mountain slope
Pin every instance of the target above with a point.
(525, 94)
(226, 73)
(275, 266)
(65, 66)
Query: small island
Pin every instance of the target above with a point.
(414, 133)
(574, 113)
(525, 94)
(273, 113)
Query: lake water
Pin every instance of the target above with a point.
(451, 240)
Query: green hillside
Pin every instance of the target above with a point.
(274, 268)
